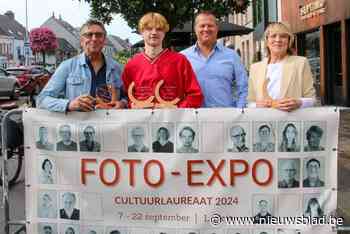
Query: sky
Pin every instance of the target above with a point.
(72, 11)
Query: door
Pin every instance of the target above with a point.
(333, 61)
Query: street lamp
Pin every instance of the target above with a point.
(26, 41)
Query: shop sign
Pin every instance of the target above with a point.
(314, 8)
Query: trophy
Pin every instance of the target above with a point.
(161, 102)
(106, 96)
(139, 104)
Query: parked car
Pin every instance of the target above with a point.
(8, 85)
(31, 79)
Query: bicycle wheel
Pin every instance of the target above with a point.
(14, 166)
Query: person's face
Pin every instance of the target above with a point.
(289, 170)
(314, 140)
(153, 36)
(290, 133)
(206, 29)
(47, 230)
(47, 166)
(93, 39)
(187, 138)
(69, 231)
(238, 136)
(264, 134)
(89, 134)
(278, 43)
(46, 200)
(263, 206)
(162, 134)
(313, 170)
(68, 201)
(65, 133)
(138, 136)
(43, 134)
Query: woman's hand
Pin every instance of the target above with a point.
(266, 103)
(288, 104)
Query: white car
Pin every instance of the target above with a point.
(8, 85)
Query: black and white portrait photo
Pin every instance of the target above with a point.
(47, 204)
(238, 139)
(69, 229)
(313, 206)
(315, 136)
(43, 139)
(66, 143)
(93, 230)
(69, 210)
(263, 231)
(237, 231)
(47, 228)
(162, 138)
(137, 139)
(47, 170)
(88, 139)
(289, 137)
(188, 231)
(187, 140)
(264, 137)
(116, 230)
(288, 173)
(288, 231)
(262, 208)
(313, 172)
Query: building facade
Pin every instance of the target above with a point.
(323, 32)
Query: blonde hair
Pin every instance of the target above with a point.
(279, 27)
(153, 19)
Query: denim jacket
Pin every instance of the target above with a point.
(72, 79)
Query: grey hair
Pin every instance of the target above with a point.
(91, 22)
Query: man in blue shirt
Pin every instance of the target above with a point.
(217, 67)
(74, 84)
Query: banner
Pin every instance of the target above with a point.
(188, 171)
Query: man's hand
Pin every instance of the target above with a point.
(266, 103)
(82, 103)
(288, 104)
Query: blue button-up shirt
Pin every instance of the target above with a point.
(72, 79)
(222, 76)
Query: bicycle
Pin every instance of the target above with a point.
(12, 138)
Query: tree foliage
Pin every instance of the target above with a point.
(177, 12)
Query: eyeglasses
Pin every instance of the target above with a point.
(238, 135)
(89, 35)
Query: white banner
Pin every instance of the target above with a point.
(205, 171)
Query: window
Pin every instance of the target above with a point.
(257, 12)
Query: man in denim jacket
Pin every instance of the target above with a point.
(74, 84)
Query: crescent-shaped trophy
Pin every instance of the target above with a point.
(161, 102)
(139, 104)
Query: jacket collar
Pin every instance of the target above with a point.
(110, 63)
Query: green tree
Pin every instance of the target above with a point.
(177, 12)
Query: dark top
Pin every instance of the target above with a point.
(284, 184)
(262, 219)
(319, 183)
(99, 79)
(94, 147)
(75, 215)
(167, 148)
(62, 147)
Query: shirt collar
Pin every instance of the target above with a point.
(217, 47)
